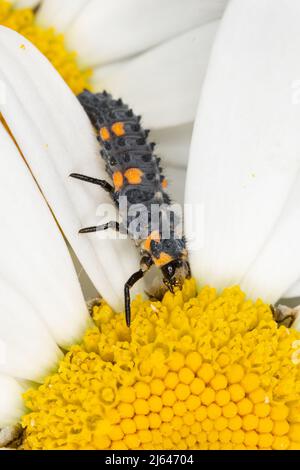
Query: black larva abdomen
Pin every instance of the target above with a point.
(128, 155)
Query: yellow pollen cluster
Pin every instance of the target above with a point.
(195, 371)
(51, 44)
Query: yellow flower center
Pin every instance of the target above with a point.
(195, 371)
(51, 44)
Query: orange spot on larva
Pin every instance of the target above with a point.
(104, 133)
(153, 236)
(163, 259)
(118, 180)
(164, 183)
(133, 175)
(118, 128)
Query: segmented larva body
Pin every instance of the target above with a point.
(128, 156)
(139, 183)
(134, 170)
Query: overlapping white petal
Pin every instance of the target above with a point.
(164, 83)
(173, 144)
(276, 267)
(56, 139)
(172, 147)
(27, 350)
(60, 14)
(176, 183)
(33, 256)
(293, 291)
(245, 152)
(11, 405)
(25, 3)
(107, 31)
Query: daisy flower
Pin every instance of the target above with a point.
(205, 367)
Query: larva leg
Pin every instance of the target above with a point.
(146, 263)
(97, 228)
(104, 184)
(130, 283)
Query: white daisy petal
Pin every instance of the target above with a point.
(29, 240)
(293, 291)
(57, 139)
(246, 144)
(277, 265)
(164, 83)
(173, 144)
(26, 3)
(109, 31)
(59, 14)
(27, 350)
(176, 183)
(11, 404)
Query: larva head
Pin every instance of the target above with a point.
(175, 272)
(170, 256)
